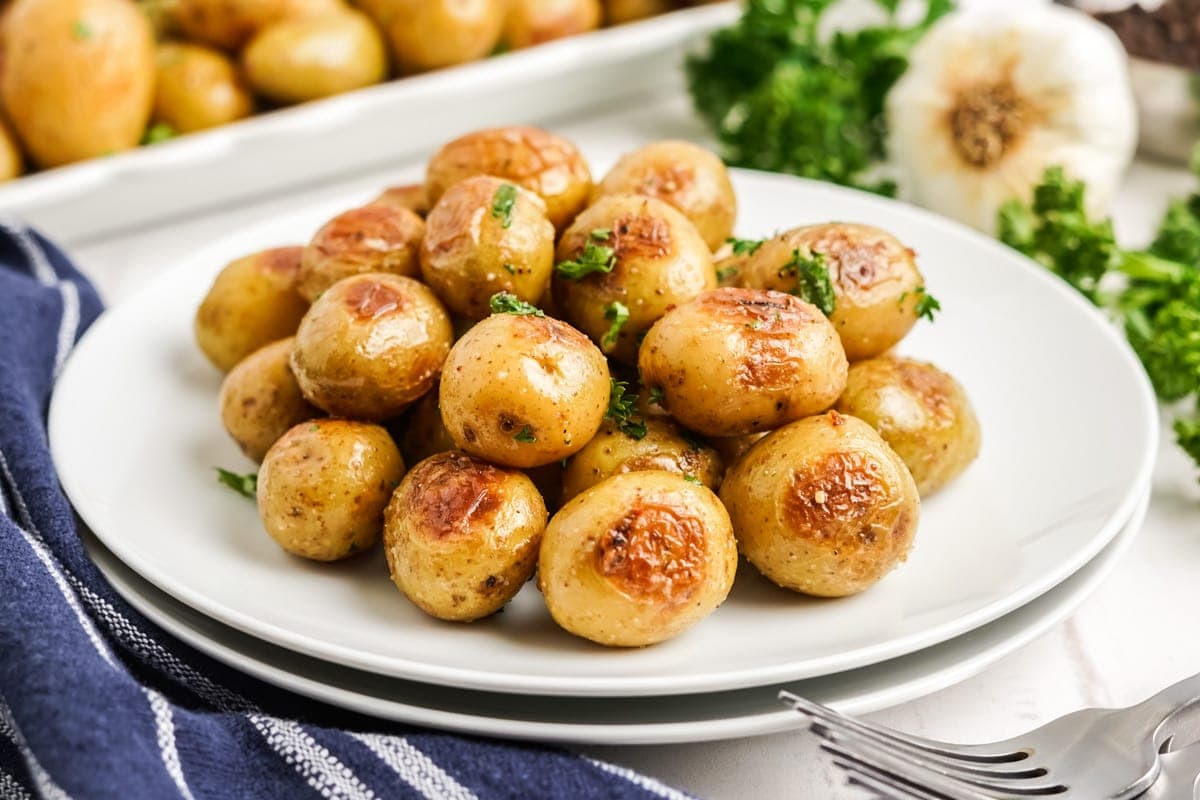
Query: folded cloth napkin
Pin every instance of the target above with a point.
(96, 702)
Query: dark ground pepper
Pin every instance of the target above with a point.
(1169, 34)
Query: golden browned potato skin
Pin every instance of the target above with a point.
(612, 452)
(462, 535)
(875, 280)
(531, 22)
(922, 412)
(543, 163)
(661, 262)
(260, 400)
(683, 175)
(12, 163)
(470, 252)
(197, 88)
(523, 391)
(737, 361)
(372, 238)
(430, 34)
(420, 432)
(227, 24)
(410, 196)
(307, 58)
(78, 77)
(637, 559)
(252, 302)
(823, 506)
(323, 486)
(618, 12)
(370, 346)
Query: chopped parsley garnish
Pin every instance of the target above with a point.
(693, 479)
(726, 272)
(525, 435)
(80, 30)
(745, 246)
(927, 304)
(622, 410)
(616, 313)
(245, 485)
(813, 283)
(159, 132)
(593, 258)
(510, 269)
(509, 303)
(656, 395)
(503, 202)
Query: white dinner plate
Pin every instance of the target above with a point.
(1069, 430)
(617, 720)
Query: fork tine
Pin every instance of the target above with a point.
(885, 736)
(882, 788)
(899, 780)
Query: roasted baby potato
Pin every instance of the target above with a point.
(822, 506)
(197, 88)
(737, 361)
(420, 432)
(370, 346)
(637, 559)
(12, 163)
(656, 259)
(487, 235)
(307, 58)
(923, 413)
(373, 238)
(227, 24)
(543, 163)
(252, 303)
(685, 176)
(410, 196)
(664, 447)
(531, 22)
(260, 400)
(523, 390)
(462, 535)
(78, 79)
(430, 34)
(876, 283)
(323, 486)
(618, 12)
(732, 448)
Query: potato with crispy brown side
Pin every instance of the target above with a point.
(260, 400)
(737, 361)
(487, 235)
(637, 559)
(548, 165)
(410, 196)
(523, 390)
(823, 506)
(922, 412)
(323, 486)
(462, 535)
(532, 22)
(372, 238)
(634, 251)
(431, 34)
(665, 446)
(252, 302)
(685, 176)
(877, 286)
(370, 346)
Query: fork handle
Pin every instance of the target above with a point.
(1151, 713)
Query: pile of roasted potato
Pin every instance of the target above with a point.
(86, 78)
(573, 371)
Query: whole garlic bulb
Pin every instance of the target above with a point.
(993, 97)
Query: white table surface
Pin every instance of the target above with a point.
(1129, 639)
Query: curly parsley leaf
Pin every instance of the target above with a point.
(525, 435)
(502, 204)
(617, 314)
(509, 303)
(595, 257)
(744, 246)
(245, 485)
(159, 132)
(693, 479)
(813, 284)
(926, 305)
(622, 410)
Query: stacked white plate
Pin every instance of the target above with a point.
(1070, 432)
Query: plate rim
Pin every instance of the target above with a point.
(518, 683)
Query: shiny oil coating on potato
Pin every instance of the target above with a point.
(260, 400)
(197, 87)
(922, 412)
(409, 195)
(545, 164)
(227, 24)
(637, 559)
(659, 262)
(532, 22)
(822, 506)
(664, 447)
(737, 361)
(373, 238)
(687, 177)
(370, 346)
(876, 282)
(487, 235)
(461, 535)
(252, 302)
(429, 34)
(323, 486)
(523, 390)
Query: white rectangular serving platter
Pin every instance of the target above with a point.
(354, 132)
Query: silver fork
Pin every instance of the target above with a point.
(1093, 754)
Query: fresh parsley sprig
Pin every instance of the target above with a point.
(509, 303)
(746, 247)
(595, 257)
(813, 283)
(502, 204)
(245, 485)
(622, 410)
(617, 313)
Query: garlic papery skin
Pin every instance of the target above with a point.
(992, 97)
